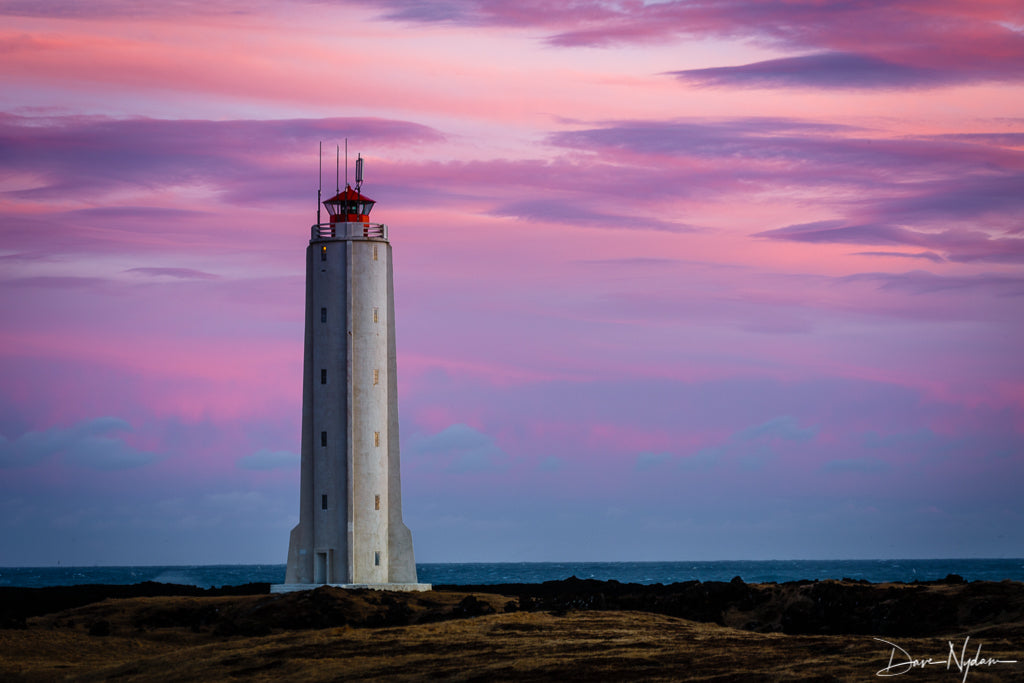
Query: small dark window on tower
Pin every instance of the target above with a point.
(376, 558)
(375, 252)
(323, 315)
(323, 502)
(376, 376)
(323, 253)
(323, 375)
(376, 502)
(323, 439)
(376, 438)
(375, 315)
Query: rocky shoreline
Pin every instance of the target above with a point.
(86, 632)
(924, 608)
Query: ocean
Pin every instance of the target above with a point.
(753, 571)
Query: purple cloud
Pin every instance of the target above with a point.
(752, 447)
(577, 213)
(1001, 139)
(754, 137)
(458, 449)
(92, 444)
(929, 255)
(964, 180)
(989, 184)
(103, 9)
(831, 232)
(851, 45)
(958, 245)
(830, 70)
(963, 205)
(177, 273)
(856, 465)
(81, 154)
(813, 152)
(784, 427)
(923, 282)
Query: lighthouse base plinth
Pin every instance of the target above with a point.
(404, 587)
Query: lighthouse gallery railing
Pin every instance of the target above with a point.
(366, 231)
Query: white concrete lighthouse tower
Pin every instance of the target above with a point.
(350, 529)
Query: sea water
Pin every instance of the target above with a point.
(751, 571)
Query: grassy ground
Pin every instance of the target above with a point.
(445, 636)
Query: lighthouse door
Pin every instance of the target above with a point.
(321, 570)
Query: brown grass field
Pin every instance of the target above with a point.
(456, 635)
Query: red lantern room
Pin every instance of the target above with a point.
(348, 206)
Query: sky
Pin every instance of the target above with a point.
(677, 280)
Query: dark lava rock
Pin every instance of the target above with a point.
(919, 609)
(796, 607)
(472, 607)
(18, 604)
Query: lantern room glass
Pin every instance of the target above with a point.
(348, 207)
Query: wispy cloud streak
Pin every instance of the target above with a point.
(830, 70)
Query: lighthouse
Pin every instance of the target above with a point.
(350, 531)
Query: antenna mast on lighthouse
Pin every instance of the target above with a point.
(320, 181)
